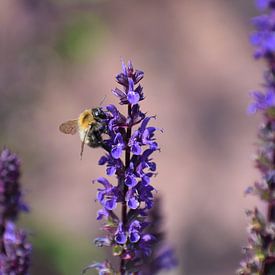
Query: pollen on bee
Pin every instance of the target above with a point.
(85, 119)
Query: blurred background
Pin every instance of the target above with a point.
(59, 57)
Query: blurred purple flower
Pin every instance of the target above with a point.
(11, 202)
(263, 4)
(259, 253)
(15, 250)
(262, 101)
(16, 259)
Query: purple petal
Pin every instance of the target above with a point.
(102, 160)
(112, 109)
(145, 180)
(131, 181)
(138, 76)
(262, 4)
(133, 203)
(121, 238)
(133, 97)
(110, 170)
(122, 79)
(144, 124)
(148, 237)
(136, 149)
(154, 146)
(116, 152)
(102, 213)
(119, 93)
(135, 225)
(152, 166)
(134, 237)
(124, 68)
(100, 196)
(111, 204)
(104, 182)
(118, 139)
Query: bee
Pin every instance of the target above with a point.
(91, 125)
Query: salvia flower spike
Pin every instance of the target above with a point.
(15, 250)
(260, 251)
(129, 144)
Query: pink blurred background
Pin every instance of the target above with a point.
(60, 57)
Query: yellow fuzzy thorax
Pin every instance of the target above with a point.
(85, 120)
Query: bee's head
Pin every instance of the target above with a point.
(98, 114)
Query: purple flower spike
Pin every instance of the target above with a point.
(15, 251)
(16, 259)
(130, 143)
(11, 201)
(259, 254)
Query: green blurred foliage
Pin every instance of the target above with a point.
(80, 37)
(57, 253)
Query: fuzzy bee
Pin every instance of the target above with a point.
(91, 125)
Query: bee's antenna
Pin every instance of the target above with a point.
(101, 102)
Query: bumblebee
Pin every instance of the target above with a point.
(91, 125)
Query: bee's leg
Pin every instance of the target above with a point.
(95, 138)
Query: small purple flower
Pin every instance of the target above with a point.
(132, 199)
(142, 137)
(118, 146)
(107, 196)
(112, 165)
(120, 235)
(146, 195)
(134, 231)
(116, 120)
(135, 143)
(130, 179)
(145, 162)
(132, 96)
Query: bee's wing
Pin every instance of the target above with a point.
(69, 127)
